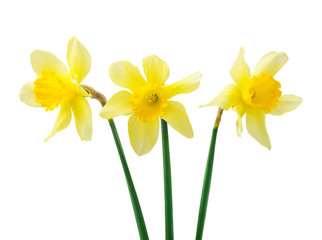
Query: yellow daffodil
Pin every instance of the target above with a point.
(148, 101)
(55, 87)
(256, 94)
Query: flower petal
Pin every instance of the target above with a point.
(239, 125)
(240, 72)
(155, 70)
(175, 115)
(143, 135)
(41, 60)
(79, 60)
(186, 85)
(229, 97)
(83, 118)
(286, 104)
(124, 74)
(119, 104)
(63, 119)
(27, 95)
(271, 63)
(256, 127)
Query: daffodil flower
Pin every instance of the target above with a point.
(148, 101)
(256, 94)
(54, 87)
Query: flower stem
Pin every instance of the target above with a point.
(167, 182)
(134, 198)
(207, 179)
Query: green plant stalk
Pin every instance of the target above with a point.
(167, 182)
(134, 198)
(207, 179)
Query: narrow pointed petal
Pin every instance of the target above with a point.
(79, 60)
(125, 75)
(83, 118)
(187, 85)
(256, 126)
(229, 97)
(239, 125)
(63, 119)
(175, 115)
(119, 104)
(143, 135)
(155, 70)
(41, 60)
(286, 103)
(271, 63)
(27, 95)
(240, 72)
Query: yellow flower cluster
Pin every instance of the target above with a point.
(253, 94)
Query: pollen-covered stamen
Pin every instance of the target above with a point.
(153, 98)
(148, 102)
(263, 92)
(50, 91)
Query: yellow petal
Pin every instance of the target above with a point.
(155, 70)
(143, 135)
(63, 119)
(186, 85)
(83, 118)
(240, 72)
(119, 104)
(271, 63)
(286, 104)
(124, 74)
(256, 127)
(79, 60)
(229, 97)
(175, 115)
(239, 125)
(41, 60)
(27, 95)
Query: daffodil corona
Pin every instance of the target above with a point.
(149, 101)
(256, 94)
(54, 87)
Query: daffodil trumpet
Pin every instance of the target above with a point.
(207, 178)
(133, 195)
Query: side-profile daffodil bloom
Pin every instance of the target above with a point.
(148, 101)
(256, 94)
(55, 87)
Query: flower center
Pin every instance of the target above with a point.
(263, 92)
(148, 102)
(51, 91)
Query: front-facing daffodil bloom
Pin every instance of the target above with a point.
(55, 87)
(148, 101)
(256, 94)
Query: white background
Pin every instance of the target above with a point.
(67, 189)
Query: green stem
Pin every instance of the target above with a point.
(134, 198)
(207, 180)
(167, 182)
